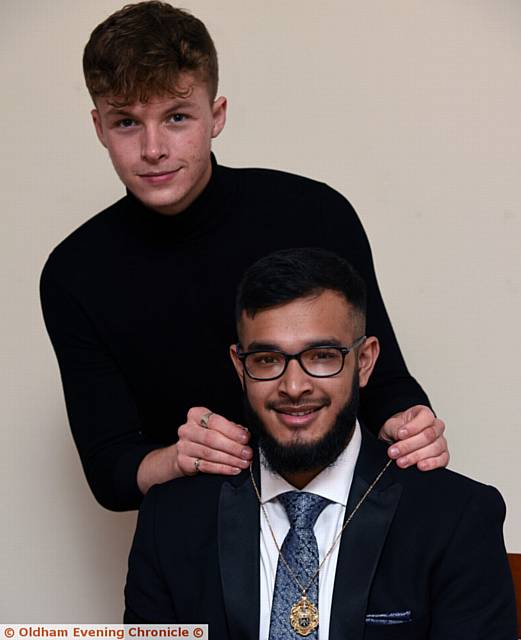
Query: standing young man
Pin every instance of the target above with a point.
(128, 296)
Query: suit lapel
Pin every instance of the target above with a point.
(238, 541)
(362, 541)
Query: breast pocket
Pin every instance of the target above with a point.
(390, 618)
(402, 625)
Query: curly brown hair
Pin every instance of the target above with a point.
(140, 51)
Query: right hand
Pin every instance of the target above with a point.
(221, 447)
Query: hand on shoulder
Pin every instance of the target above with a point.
(208, 443)
(417, 439)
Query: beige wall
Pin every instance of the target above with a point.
(410, 108)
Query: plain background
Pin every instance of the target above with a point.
(412, 109)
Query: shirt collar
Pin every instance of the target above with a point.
(332, 483)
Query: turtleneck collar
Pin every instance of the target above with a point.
(204, 213)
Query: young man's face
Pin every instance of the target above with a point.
(161, 149)
(297, 408)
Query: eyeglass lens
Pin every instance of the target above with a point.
(318, 361)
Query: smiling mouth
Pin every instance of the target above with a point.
(157, 174)
(298, 411)
(298, 417)
(158, 178)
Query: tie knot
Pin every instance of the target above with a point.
(302, 508)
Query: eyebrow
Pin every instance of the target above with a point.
(174, 106)
(271, 346)
(118, 111)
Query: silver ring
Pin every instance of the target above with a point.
(197, 463)
(204, 419)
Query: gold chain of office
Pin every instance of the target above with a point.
(304, 614)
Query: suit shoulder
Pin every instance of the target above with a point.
(448, 490)
(187, 495)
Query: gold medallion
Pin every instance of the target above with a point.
(304, 617)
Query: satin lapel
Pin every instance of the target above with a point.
(362, 541)
(238, 540)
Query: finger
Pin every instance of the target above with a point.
(218, 423)
(436, 453)
(396, 427)
(414, 421)
(216, 468)
(207, 444)
(429, 435)
(229, 429)
(389, 431)
(438, 462)
(208, 454)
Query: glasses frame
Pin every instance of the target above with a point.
(242, 355)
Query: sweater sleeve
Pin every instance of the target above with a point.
(102, 414)
(391, 387)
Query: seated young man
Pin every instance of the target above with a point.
(323, 537)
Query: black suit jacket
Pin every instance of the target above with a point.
(424, 550)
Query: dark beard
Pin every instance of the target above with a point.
(302, 457)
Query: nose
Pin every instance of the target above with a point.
(154, 144)
(295, 382)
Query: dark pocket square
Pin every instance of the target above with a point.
(392, 617)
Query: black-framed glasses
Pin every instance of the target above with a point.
(322, 361)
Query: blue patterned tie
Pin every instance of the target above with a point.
(301, 552)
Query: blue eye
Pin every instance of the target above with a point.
(177, 117)
(126, 123)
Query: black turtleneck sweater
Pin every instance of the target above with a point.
(139, 307)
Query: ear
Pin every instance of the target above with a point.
(96, 119)
(367, 357)
(219, 115)
(239, 368)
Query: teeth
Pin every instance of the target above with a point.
(300, 413)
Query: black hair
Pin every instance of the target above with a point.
(289, 274)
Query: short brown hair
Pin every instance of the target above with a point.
(139, 51)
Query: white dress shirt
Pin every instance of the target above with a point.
(334, 483)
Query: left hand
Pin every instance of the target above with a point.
(417, 437)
